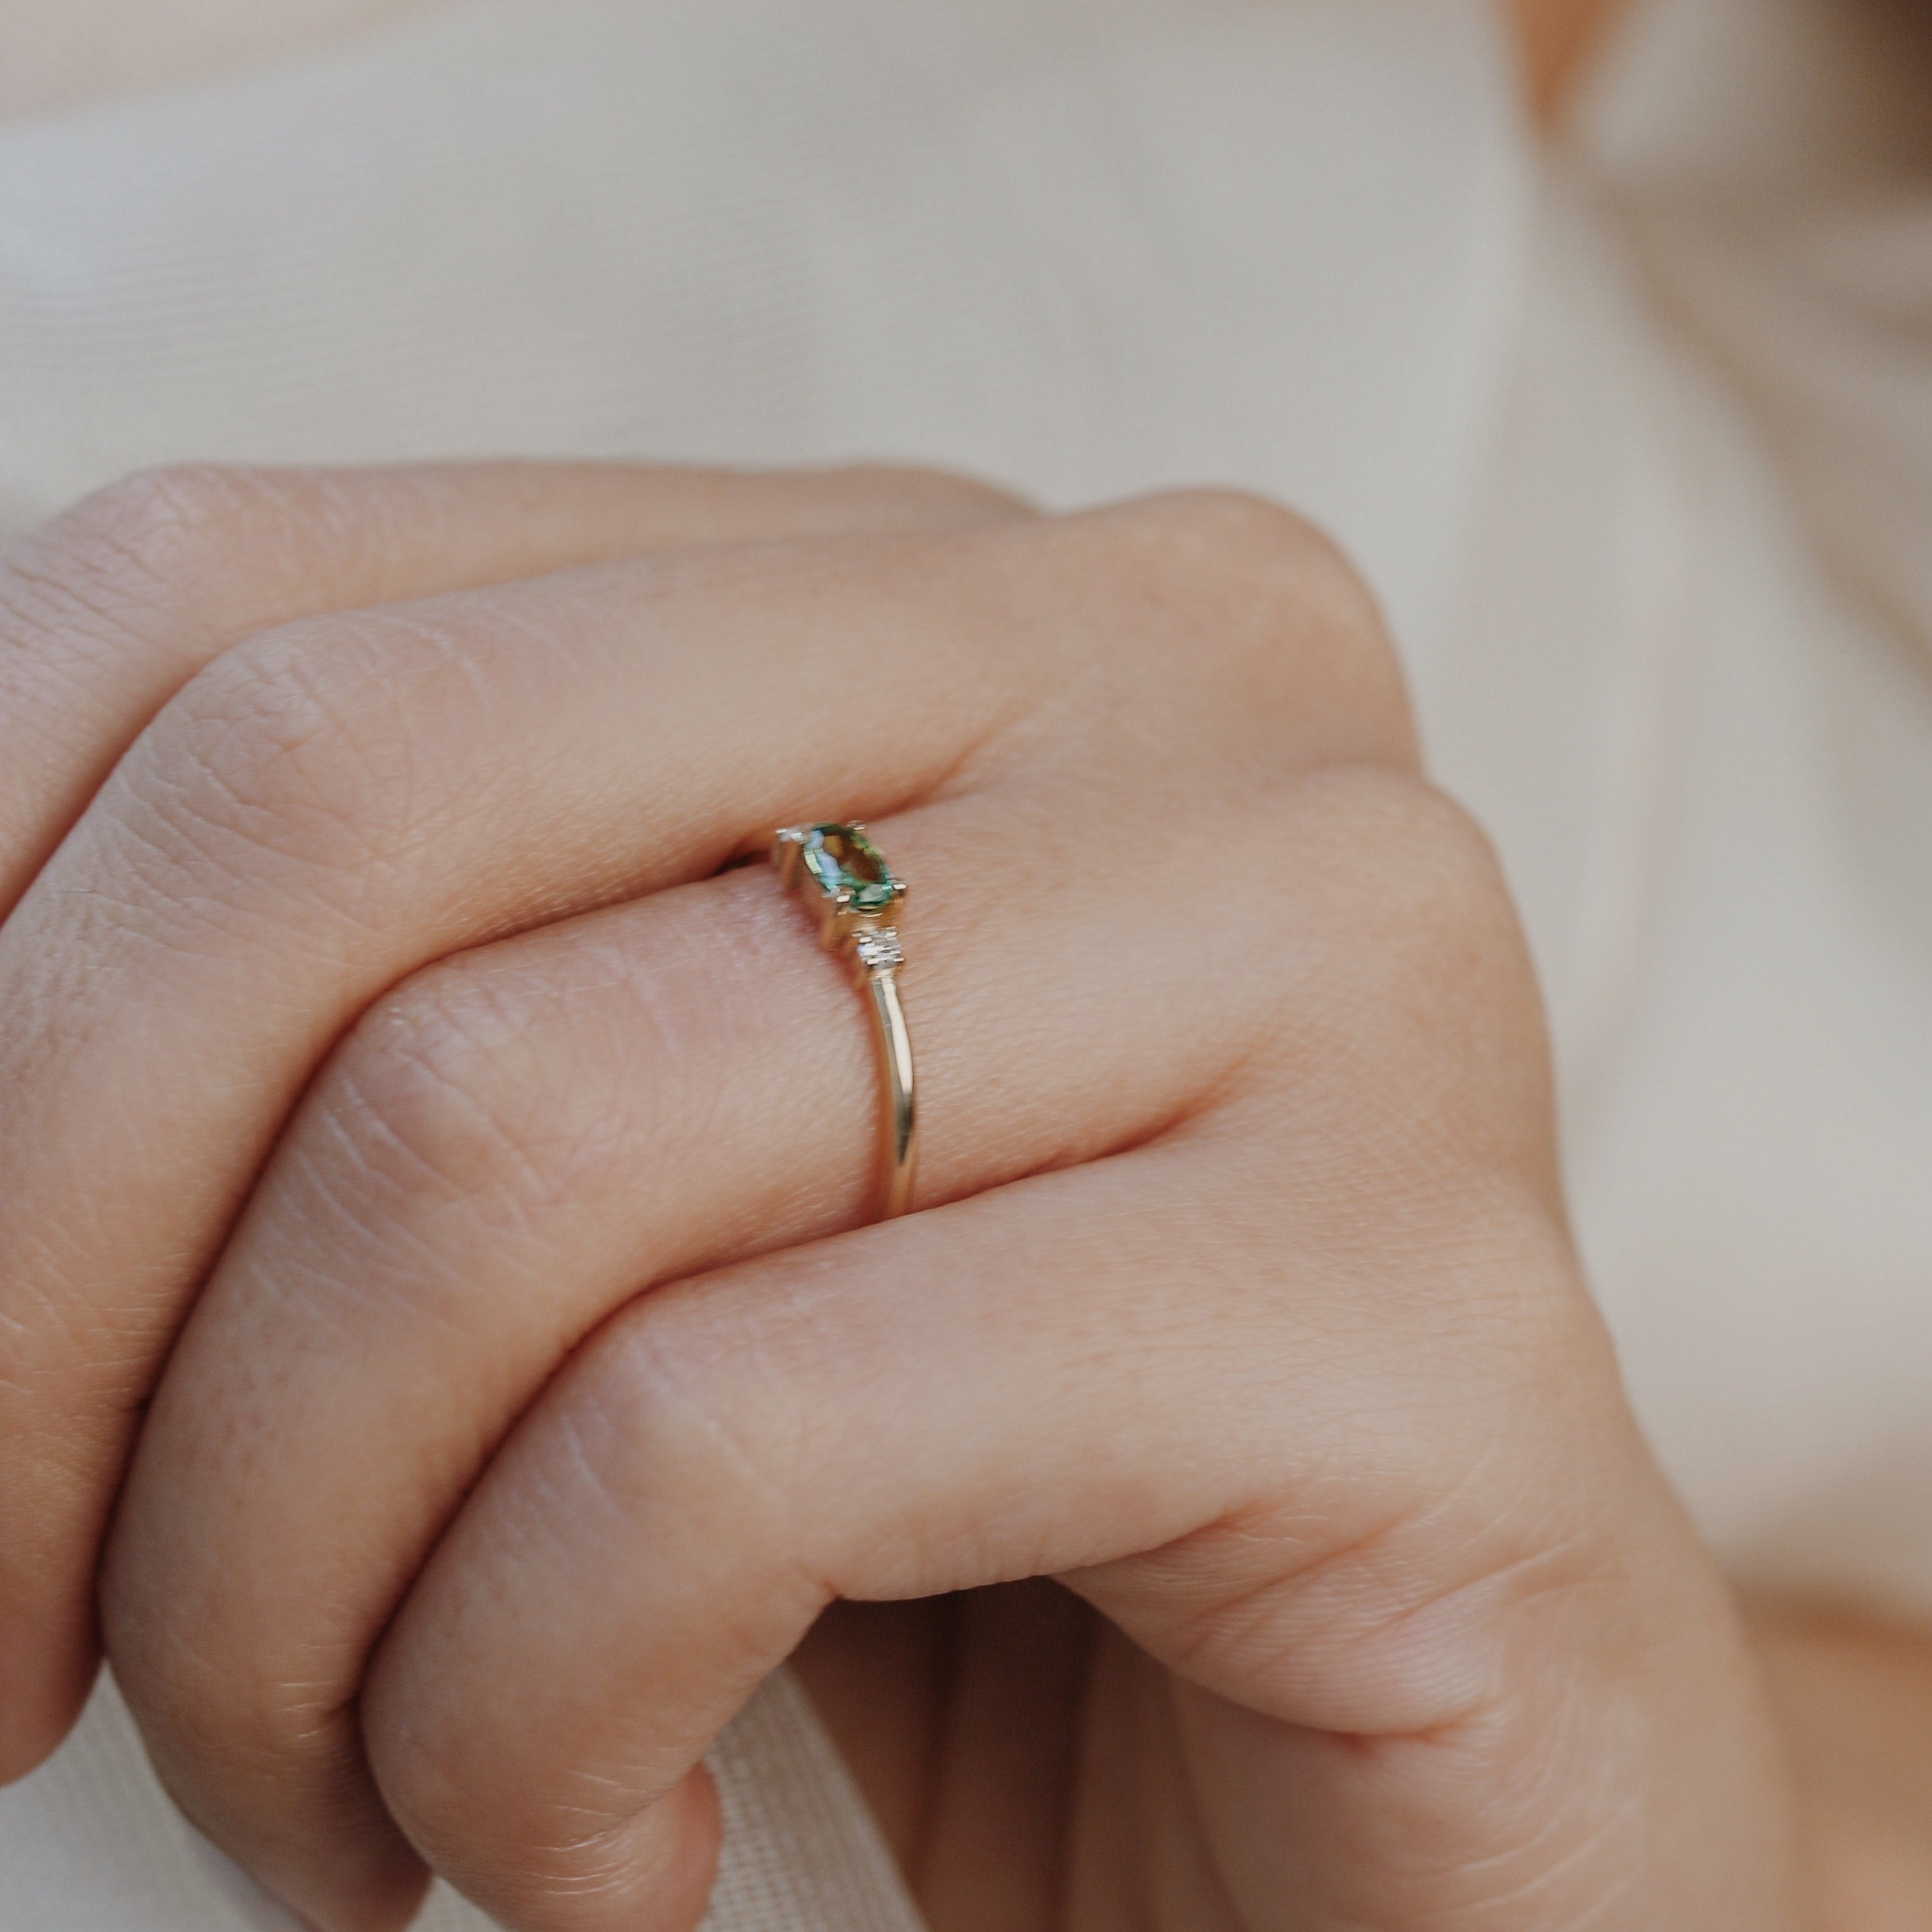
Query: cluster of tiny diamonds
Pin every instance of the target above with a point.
(878, 951)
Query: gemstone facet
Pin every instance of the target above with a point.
(846, 866)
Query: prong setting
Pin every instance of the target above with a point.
(857, 891)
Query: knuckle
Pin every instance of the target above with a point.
(1402, 867)
(685, 1421)
(1429, 874)
(689, 1411)
(891, 490)
(662, 1410)
(152, 539)
(446, 1083)
(1231, 522)
(535, 1079)
(1236, 534)
(1277, 610)
(163, 524)
(295, 749)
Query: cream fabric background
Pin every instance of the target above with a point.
(1639, 459)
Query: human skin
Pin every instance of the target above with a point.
(440, 1335)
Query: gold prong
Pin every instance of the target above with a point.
(786, 846)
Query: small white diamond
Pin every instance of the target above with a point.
(879, 951)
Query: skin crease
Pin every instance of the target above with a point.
(1571, 1714)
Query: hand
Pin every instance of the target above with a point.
(432, 1189)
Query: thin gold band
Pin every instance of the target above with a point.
(858, 901)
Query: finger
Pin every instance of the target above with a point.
(110, 608)
(1123, 1374)
(518, 1141)
(83, 1332)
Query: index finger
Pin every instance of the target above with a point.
(107, 611)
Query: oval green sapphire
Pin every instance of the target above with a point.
(845, 863)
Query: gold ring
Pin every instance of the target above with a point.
(859, 899)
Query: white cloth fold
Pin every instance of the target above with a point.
(91, 1842)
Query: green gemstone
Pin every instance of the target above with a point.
(844, 860)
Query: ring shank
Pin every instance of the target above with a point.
(856, 896)
(899, 1152)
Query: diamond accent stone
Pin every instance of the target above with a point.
(878, 951)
